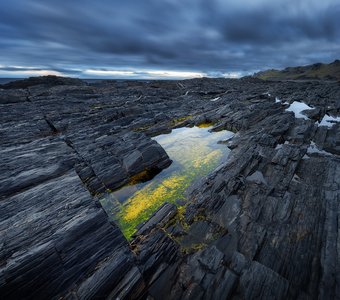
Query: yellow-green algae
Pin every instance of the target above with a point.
(181, 119)
(194, 151)
(205, 125)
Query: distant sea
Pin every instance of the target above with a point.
(5, 80)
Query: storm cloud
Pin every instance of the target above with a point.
(213, 38)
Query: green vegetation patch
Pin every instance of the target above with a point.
(195, 153)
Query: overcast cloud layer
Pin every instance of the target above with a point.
(162, 38)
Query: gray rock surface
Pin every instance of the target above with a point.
(264, 225)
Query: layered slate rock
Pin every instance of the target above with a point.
(270, 211)
(264, 225)
(55, 237)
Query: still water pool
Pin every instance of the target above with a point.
(195, 152)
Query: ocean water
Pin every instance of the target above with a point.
(6, 80)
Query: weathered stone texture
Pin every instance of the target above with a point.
(264, 225)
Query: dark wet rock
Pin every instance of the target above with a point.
(329, 139)
(263, 225)
(133, 162)
(63, 225)
(222, 286)
(267, 140)
(116, 277)
(209, 259)
(160, 218)
(155, 254)
(226, 215)
(314, 114)
(259, 282)
(13, 96)
(257, 177)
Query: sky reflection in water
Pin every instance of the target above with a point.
(195, 153)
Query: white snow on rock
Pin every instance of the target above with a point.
(329, 121)
(297, 107)
(313, 148)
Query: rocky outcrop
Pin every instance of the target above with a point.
(316, 71)
(265, 218)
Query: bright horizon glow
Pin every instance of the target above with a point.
(144, 74)
(176, 74)
(28, 71)
(108, 73)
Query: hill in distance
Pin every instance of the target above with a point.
(316, 71)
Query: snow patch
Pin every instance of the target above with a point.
(329, 121)
(297, 108)
(313, 148)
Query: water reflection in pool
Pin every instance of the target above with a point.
(195, 153)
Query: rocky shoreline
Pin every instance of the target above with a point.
(264, 225)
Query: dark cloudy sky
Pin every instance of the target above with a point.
(164, 38)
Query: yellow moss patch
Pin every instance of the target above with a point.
(181, 119)
(205, 125)
(148, 197)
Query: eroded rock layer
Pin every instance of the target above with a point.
(264, 225)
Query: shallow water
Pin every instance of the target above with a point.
(195, 153)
